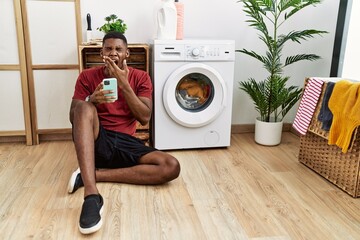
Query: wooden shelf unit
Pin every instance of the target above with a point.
(89, 56)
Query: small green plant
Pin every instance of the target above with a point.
(113, 23)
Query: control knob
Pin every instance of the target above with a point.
(195, 52)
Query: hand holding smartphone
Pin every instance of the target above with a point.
(111, 84)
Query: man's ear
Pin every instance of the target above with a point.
(101, 52)
(127, 53)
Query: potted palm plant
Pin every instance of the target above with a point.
(272, 97)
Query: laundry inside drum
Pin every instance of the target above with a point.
(194, 92)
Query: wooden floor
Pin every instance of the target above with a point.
(246, 191)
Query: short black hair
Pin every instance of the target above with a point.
(115, 34)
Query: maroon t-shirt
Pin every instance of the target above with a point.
(114, 116)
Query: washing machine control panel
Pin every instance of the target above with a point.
(208, 52)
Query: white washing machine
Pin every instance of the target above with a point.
(193, 89)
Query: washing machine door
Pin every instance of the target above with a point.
(194, 95)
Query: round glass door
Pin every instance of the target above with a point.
(194, 92)
(194, 95)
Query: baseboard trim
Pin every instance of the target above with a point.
(65, 134)
(250, 128)
(55, 137)
(12, 139)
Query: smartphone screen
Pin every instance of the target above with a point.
(110, 84)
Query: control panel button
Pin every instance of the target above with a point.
(195, 52)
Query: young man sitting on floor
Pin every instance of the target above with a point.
(103, 130)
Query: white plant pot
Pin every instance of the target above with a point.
(268, 133)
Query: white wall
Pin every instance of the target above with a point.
(351, 40)
(224, 19)
(11, 101)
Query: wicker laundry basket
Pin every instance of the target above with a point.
(342, 169)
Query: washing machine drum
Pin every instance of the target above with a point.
(194, 95)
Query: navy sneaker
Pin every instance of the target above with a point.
(90, 217)
(75, 181)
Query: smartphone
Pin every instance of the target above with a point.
(110, 84)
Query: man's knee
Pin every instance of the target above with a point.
(84, 110)
(171, 168)
(168, 167)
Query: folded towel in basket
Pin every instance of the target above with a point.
(307, 105)
(344, 104)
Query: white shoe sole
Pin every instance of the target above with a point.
(71, 183)
(94, 228)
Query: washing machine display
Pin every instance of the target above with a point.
(192, 93)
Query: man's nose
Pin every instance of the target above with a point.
(113, 53)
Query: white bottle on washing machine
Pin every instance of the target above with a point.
(166, 20)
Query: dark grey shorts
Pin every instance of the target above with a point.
(118, 150)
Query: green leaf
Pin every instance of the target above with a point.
(300, 57)
(253, 54)
(296, 36)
